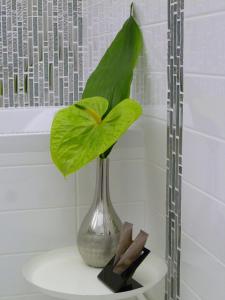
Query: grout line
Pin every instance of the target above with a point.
(160, 214)
(212, 197)
(26, 165)
(114, 203)
(151, 116)
(77, 196)
(203, 249)
(114, 32)
(35, 252)
(190, 289)
(154, 24)
(203, 134)
(155, 164)
(24, 133)
(204, 75)
(204, 15)
(139, 159)
(35, 209)
(156, 72)
(19, 295)
(40, 252)
(157, 119)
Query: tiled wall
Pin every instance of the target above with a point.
(103, 19)
(40, 210)
(37, 210)
(174, 146)
(203, 197)
(48, 213)
(40, 52)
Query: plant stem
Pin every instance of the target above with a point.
(132, 9)
(1, 88)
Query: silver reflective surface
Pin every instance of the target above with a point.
(99, 232)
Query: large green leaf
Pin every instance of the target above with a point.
(79, 134)
(113, 76)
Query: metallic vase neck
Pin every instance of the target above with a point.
(100, 230)
(102, 181)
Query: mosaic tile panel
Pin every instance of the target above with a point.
(40, 52)
(174, 145)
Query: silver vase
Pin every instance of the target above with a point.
(99, 232)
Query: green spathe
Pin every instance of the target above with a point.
(79, 134)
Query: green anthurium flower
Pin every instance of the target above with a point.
(79, 133)
(113, 75)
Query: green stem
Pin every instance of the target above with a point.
(25, 83)
(132, 9)
(15, 84)
(1, 88)
(106, 153)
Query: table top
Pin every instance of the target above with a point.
(62, 273)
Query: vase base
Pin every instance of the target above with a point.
(97, 257)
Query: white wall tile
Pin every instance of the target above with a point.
(155, 47)
(24, 143)
(119, 10)
(29, 297)
(156, 227)
(195, 8)
(203, 218)
(204, 274)
(203, 196)
(123, 176)
(187, 293)
(204, 163)
(156, 188)
(148, 12)
(25, 158)
(131, 145)
(204, 104)
(155, 141)
(204, 48)
(28, 182)
(11, 280)
(125, 187)
(26, 120)
(37, 230)
(133, 213)
(157, 292)
(155, 95)
(35, 187)
(86, 180)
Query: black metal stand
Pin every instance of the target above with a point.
(122, 282)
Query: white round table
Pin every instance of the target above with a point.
(62, 274)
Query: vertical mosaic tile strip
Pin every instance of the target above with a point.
(174, 145)
(40, 52)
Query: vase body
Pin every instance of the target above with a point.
(99, 232)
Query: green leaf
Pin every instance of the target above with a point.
(79, 134)
(113, 76)
(1, 88)
(16, 84)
